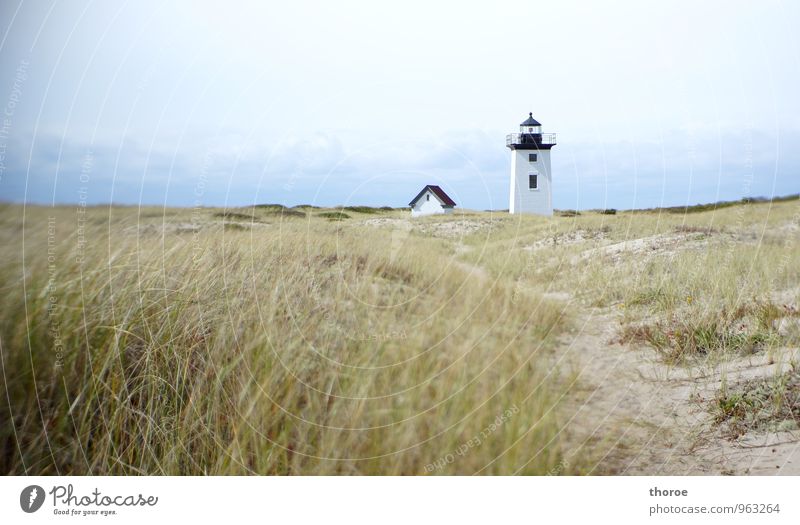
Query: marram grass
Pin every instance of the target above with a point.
(165, 342)
(272, 341)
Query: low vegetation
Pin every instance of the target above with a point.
(333, 215)
(358, 341)
(764, 404)
(363, 209)
(273, 350)
(699, 208)
(235, 216)
(277, 207)
(751, 328)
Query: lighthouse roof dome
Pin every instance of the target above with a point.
(530, 121)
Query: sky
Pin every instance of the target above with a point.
(201, 103)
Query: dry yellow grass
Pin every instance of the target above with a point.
(272, 341)
(733, 270)
(166, 342)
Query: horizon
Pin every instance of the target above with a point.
(751, 199)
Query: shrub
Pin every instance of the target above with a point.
(271, 207)
(236, 216)
(361, 209)
(288, 214)
(333, 215)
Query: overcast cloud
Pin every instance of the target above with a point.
(363, 102)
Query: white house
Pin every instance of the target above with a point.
(431, 200)
(531, 187)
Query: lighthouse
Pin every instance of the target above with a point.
(531, 187)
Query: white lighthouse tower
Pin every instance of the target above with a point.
(531, 180)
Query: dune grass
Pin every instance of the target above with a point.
(136, 345)
(697, 285)
(771, 404)
(168, 341)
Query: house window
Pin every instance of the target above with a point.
(531, 157)
(428, 197)
(533, 181)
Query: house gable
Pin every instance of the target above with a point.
(437, 192)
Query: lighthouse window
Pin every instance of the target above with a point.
(531, 157)
(533, 182)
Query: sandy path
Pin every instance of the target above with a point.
(639, 416)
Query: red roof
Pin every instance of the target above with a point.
(439, 192)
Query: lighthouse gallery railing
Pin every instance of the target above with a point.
(529, 138)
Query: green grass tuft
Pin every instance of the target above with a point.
(764, 404)
(333, 215)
